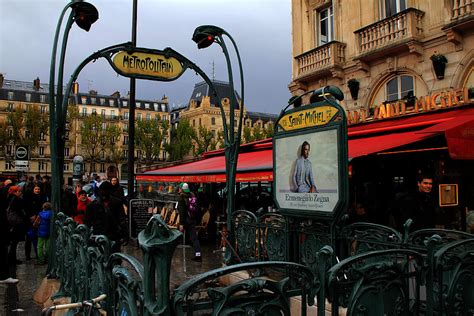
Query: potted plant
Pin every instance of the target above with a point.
(439, 64)
(353, 86)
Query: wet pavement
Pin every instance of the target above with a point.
(30, 275)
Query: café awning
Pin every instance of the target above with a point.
(256, 162)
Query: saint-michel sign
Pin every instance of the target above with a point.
(147, 64)
(308, 118)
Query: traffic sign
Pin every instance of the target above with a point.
(21, 153)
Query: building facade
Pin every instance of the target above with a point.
(384, 50)
(406, 70)
(102, 159)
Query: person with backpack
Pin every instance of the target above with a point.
(188, 211)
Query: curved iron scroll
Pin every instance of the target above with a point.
(251, 296)
(376, 283)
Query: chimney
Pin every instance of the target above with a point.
(75, 87)
(116, 94)
(36, 84)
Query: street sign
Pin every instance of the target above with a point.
(22, 168)
(21, 153)
(22, 163)
(147, 64)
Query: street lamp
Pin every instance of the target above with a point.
(204, 36)
(84, 14)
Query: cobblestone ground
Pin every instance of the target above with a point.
(20, 297)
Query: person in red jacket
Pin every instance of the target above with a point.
(82, 201)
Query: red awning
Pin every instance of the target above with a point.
(251, 167)
(256, 163)
(459, 133)
(369, 145)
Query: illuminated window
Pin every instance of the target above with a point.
(399, 87)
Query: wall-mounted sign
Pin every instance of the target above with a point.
(434, 102)
(308, 118)
(147, 64)
(21, 153)
(310, 161)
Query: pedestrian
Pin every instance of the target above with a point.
(44, 230)
(418, 205)
(33, 205)
(117, 189)
(68, 201)
(4, 240)
(106, 216)
(188, 211)
(82, 201)
(47, 187)
(17, 219)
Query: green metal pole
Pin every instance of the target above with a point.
(55, 190)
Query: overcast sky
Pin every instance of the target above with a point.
(261, 29)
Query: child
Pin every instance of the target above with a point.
(43, 232)
(82, 202)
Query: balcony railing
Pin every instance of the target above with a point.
(321, 58)
(462, 9)
(399, 28)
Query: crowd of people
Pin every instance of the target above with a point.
(26, 214)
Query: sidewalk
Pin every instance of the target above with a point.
(20, 297)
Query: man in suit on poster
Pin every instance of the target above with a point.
(303, 178)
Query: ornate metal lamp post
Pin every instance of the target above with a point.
(84, 14)
(205, 36)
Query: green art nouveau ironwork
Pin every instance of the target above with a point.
(377, 283)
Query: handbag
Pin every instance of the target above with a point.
(36, 221)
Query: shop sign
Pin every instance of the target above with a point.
(147, 64)
(436, 101)
(308, 118)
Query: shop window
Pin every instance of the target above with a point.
(399, 87)
(392, 7)
(325, 25)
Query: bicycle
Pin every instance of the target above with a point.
(86, 307)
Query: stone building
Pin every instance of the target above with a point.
(113, 109)
(385, 50)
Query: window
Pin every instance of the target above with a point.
(84, 99)
(139, 116)
(41, 151)
(194, 123)
(124, 103)
(125, 140)
(102, 167)
(213, 121)
(42, 136)
(28, 97)
(94, 111)
(43, 109)
(93, 167)
(147, 106)
(11, 95)
(148, 117)
(10, 150)
(392, 7)
(41, 165)
(102, 101)
(102, 112)
(163, 108)
(125, 115)
(125, 153)
(10, 107)
(66, 167)
(66, 152)
(200, 122)
(398, 88)
(93, 101)
(9, 165)
(326, 25)
(125, 127)
(104, 126)
(84, 111)
(43, 98)
(112, 102)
